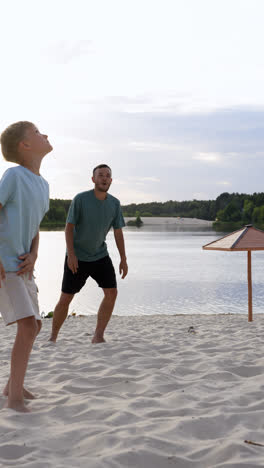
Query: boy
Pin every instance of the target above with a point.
(24, 200)
(91, 216)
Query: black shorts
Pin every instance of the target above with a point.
(102, 271)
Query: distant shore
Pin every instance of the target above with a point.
(159, 220)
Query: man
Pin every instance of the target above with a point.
(91, 215)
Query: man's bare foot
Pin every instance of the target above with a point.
(98, 339)
(17, 406)
(52, 339)
(27, 394)
(48, 344)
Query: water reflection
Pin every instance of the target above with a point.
(168, 273)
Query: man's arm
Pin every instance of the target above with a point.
(120, 243)
(29, 259)
(72, 259)
(2, 270)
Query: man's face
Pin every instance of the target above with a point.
(102, 179)
(37, 141)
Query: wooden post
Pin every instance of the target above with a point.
(250, 315)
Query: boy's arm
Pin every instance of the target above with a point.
(120, 243)
(29, 259)
(2, 270)
(72, 259)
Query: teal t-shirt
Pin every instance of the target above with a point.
(92, 219)
(24, 197)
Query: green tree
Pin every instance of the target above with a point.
(256, 215)
(220, 216)
(146, 214)
(261, 214)
(229, 213)
(247, 211)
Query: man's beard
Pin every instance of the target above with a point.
(102, 189)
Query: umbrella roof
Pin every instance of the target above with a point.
(247, 238)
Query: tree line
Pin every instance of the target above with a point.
(226, 208)
(56, 216)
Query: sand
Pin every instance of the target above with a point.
(154, 396)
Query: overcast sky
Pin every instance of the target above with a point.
(169, 93)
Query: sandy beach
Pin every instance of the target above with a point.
(156, 395)
(163, 220)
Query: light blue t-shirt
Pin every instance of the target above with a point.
(92, 219)
(24, 197)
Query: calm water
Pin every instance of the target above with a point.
(168, 273)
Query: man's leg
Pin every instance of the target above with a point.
(26, 334)
(104, 314)
(27, 394)
(60, 314)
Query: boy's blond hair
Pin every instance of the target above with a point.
(10, 139)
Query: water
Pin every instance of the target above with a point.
(169, 273)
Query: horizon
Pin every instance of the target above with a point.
(178, 201)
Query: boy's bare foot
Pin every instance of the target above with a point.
(17, 406)
(27, 394)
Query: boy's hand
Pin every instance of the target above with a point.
(2, 273)
(123, 268)
(27, 266)
(72, 263)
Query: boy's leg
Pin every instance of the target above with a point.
(60, 314)
(104, 314)
(26, 334)
(27, 394)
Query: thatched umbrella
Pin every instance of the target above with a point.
(248, 238)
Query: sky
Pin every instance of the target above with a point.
(169, 93)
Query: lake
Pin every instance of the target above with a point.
(169, 273)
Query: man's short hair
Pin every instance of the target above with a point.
(101, 166)
(10, 139)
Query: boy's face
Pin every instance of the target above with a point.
(102, 179)
(36, 142)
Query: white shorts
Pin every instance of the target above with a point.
(18, 298)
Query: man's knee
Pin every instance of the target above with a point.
(110, 294)
(65, 300)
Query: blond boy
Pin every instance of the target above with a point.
(24, 200)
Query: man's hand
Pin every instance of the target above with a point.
(2, 273)
(27, 266)
(73, 263)
(123, 268)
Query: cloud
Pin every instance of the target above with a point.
(130, 195)
(176, 148)
(152, 146)
(170, 154)
(144, 179)
(224, 182)
(208, 157)
(66, 51)
(200, 196)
